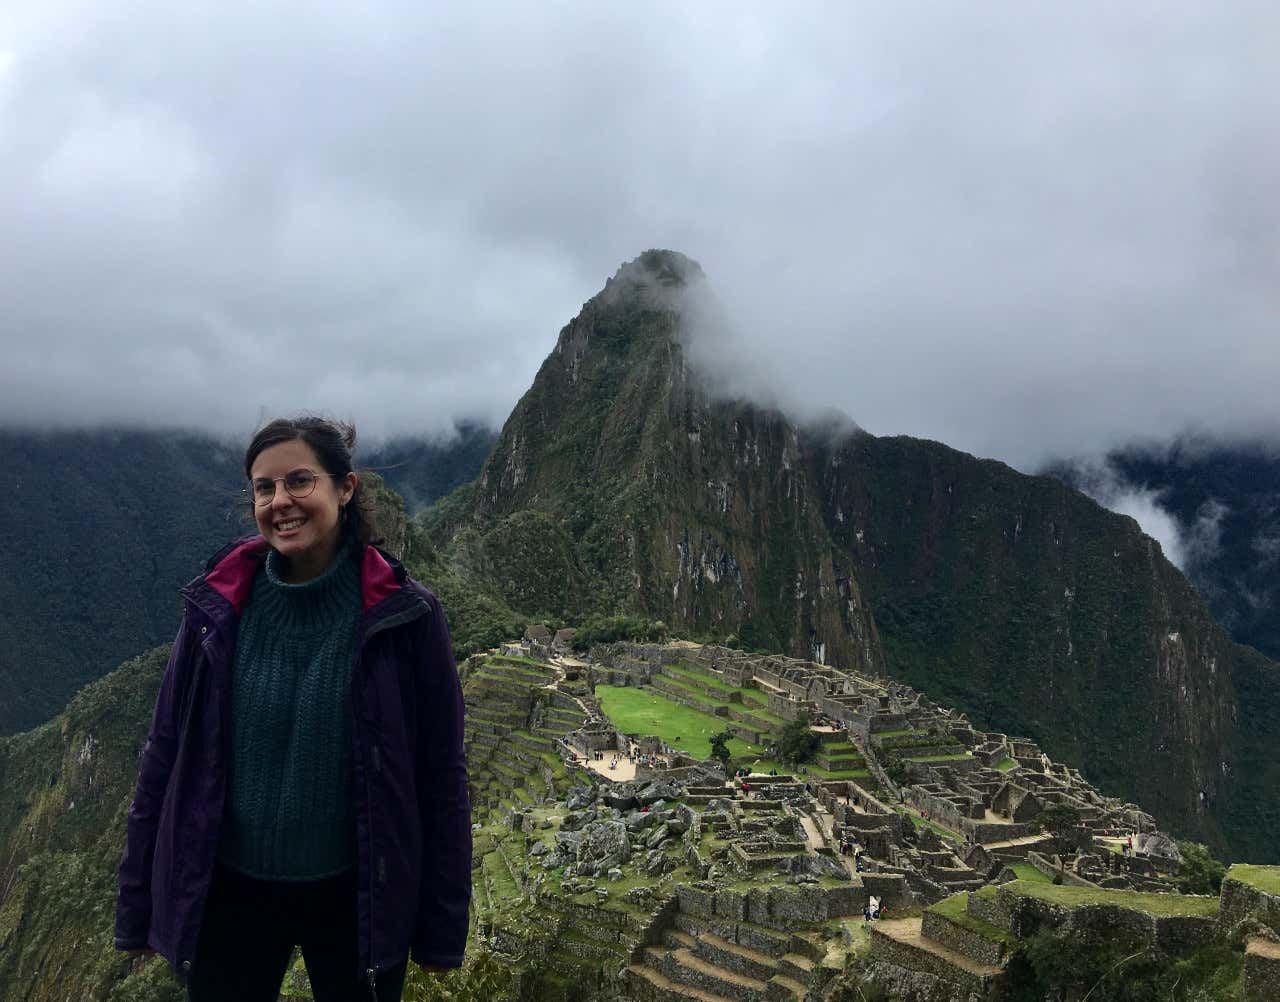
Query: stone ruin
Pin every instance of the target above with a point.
(676, 883)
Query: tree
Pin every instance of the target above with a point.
(1063, 825)
(720, 747)
(1200, 873)
(798, 743)
(898, 769)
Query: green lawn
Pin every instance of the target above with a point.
(1026, 871)
(1264, 878)
(701, 695)
(702, 678)
(895, 734)
(938, 758)
(1006, 765)
(755, 696)
(1074, 897)
(643, 711)
(836, 774)
(758, 711)
(954, 909)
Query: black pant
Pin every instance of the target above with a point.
(250, 928)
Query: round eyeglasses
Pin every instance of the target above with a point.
(299, 483)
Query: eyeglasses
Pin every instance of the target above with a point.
(299, 483)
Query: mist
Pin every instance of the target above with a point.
(1027, 232)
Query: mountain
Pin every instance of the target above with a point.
(110, 523)
(1225, 501)
(423, 470)
(624, 481)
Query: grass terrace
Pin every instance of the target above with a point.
(954, 909)
(516, 659)
(1264, 878)
(1006, 765)
(701, 678)
(938, 758)
(920, 822)
(835, 774)
(755, 696)
(881, 735)
(1139, 901)
(643, 711)
(1026, 871)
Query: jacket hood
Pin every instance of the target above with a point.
(230, 571)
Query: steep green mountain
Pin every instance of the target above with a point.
(64, 796)
(636, 489)
(1039, 612)
(623, 481)
(1225, 499)
(110, 523)
(423, 470)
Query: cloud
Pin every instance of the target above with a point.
(1024, 231)
(1188, 546)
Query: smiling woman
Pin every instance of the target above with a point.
(343, 781)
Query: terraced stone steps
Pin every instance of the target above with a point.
(739, 959)
(903, 942)
(686, 967)
(651, 985)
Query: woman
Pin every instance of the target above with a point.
(303, 782)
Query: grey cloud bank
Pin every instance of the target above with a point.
(1024, 232)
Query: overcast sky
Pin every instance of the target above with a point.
(1023, 229)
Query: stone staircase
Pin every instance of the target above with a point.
(731, 946)
(693, 962)
(511, 764)
(955, 941)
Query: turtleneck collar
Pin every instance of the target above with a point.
(311, 605)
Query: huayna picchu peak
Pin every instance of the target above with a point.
(1013, 597)
(761, 709)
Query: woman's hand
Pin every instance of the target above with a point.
(142, 952)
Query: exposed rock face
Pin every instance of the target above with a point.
(696, 512)
(1013, 598)
(604, 844)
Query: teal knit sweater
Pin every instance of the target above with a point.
(289, 812)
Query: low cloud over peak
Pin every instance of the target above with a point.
(1024, 232)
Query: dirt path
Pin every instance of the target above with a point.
(1011, 843)
(811, 833)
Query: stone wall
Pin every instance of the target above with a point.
(964, 941)
(1261, 971)
(890, 951)
(990, 831)
(1242, 901)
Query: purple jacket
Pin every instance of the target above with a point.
(413, 812)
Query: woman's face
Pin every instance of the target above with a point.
(304, 530)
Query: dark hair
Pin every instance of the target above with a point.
(332, 442)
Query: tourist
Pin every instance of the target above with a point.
(866, 913)
(273, 822)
